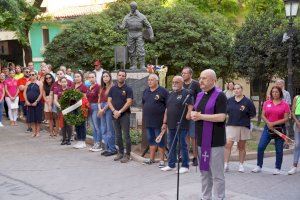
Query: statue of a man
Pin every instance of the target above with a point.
(135, 22)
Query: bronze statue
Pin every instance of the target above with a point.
(135, 22)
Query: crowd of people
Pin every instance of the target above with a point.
(211, 120)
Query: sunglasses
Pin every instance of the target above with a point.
(32, 74)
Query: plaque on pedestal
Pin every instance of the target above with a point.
(121, 55)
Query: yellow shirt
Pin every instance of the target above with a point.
(18, 76)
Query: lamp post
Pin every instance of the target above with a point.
(291, 10)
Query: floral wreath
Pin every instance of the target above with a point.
(79, 115)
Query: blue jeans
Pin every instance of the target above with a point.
(297, 143)
(107, 129)
(263, 143)
(183, 148)
(1, 109)
(95, 123)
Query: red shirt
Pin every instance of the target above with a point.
(59, 91)
(56, 85)
(103, 95)
(92, 93)
(82, 88)
(275, 112)
(22, 81)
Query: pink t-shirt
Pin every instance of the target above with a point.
(12, 86)
(1, 89)
(275, 112)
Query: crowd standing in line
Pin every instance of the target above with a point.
(34, 95)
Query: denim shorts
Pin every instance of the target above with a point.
(152, 133)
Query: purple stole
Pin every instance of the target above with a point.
(207, 128)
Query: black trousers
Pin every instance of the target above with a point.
(122, 125)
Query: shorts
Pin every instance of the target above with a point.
(152, 133)
(237, 133)
(191, 132)
(47, 108)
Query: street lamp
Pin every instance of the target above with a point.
(291, 10)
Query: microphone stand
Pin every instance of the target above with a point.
(177, 134)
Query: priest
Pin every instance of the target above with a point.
(209, 115)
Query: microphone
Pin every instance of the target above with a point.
(186, 98)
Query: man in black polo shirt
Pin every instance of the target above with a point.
(210, 115)
(119, 100)
(154, 105)
(194, 88)
(175, 105)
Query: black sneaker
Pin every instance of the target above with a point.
(195, 162)
(110, 153)
(63, 142)
(68, 142)
(104, 153)
(29, 130)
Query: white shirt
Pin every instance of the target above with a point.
(99, 75)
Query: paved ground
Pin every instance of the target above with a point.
(41, 169)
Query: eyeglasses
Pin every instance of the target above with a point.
(32, 74)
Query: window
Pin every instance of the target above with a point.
(45, 36)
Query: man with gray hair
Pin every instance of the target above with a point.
(287, 98)
(154, 102)
(286, 95)
(177, 100)
(210, 115)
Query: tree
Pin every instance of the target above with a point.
(183, 37)
(259, 53)
(18, 16)
(88, 38)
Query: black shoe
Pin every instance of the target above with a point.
(28, 130)
(63, 142)
(68, 142)
(195, 161)
(104, 153)
(110, 153)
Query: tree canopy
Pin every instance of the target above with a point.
(183, 36)
(18, 16)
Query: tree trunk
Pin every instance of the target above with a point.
(27, 54)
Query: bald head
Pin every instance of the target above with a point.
(207, 79)
(177, 83)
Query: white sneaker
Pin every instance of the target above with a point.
(292, 171)
(183, 170)
(226, 167)
(83, 144)
(76, 146)
(276, 171)
(241, 168)
(257, 169)
(1, 125)
(96, 148)
(167, 168)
